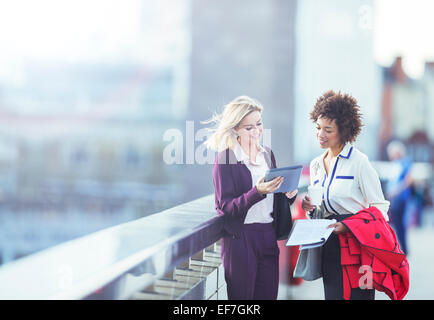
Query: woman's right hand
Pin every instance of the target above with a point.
(268, 187)
(306, 204)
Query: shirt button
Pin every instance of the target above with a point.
(377, 236)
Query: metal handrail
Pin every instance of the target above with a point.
(103, 264)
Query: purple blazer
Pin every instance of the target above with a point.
(234, 193)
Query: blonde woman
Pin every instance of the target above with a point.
(249, 249)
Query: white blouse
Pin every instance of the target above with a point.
(261, 211)
(351, 185)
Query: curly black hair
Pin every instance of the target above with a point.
(342, 108)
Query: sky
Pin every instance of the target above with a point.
(404, 28)
(106, 31)
(143, 32)
(90, 31)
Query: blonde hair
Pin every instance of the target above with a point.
(223, 135)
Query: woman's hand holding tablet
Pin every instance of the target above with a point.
(291, 177)
(269, 186)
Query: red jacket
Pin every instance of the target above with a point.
(372, 244)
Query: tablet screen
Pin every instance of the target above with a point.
(291, 177)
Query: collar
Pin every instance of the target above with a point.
(346, 151)
(241, 155)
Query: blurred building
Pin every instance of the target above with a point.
(408, 111)
(334, 51)
(82, 119)
(243, 48)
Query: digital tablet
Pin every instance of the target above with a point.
(291, 177)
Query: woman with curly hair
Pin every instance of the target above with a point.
(350, 183)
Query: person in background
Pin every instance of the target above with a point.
(349, 182)
(399, 190)
(250, 252)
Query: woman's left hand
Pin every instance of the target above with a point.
(291, 194)
(339, 227)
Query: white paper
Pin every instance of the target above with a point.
(310, 232)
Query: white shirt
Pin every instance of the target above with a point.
(261, 211)
(352, 183)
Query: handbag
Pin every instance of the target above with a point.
(282, 218)
(309, 261)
